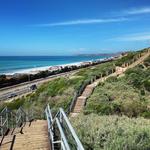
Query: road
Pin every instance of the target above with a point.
(24, 88)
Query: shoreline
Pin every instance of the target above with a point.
(48, 72)
(56, 67)
(38, 69)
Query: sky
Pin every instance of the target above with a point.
(69, 27)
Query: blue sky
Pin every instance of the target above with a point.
(68, 27)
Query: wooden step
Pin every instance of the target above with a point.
(77, 110)
(6, 144)
(34, 137)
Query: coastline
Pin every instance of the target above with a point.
(38, 69)
(56, 67)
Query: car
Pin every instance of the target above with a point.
(12, 95)
(33, 87)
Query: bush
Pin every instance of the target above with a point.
(117, 98)
(147, 62)
(126, 59)
(112, 132)
(15, 104)
(147, 84)
(112, 79)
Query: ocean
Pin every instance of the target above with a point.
(13, 64)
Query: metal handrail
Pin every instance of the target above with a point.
(50, 122)
(5, 109)
(63, 137)
(20, 116)
(4, 121)
(58, 123)
(8, 118)
(80, 147)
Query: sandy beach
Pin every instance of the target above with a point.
(38, 69)
(53, 68)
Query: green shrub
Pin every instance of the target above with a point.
(112, 132)
(147, 84)
(117, 97)
(126, 59)
(15, 104)
(112, 79)
(147, 62)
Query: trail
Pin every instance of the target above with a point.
(81, 100)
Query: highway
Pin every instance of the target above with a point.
(24, 88)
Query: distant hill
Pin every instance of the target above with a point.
(101, 54)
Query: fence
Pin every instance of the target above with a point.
(10, 119)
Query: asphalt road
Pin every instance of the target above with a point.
(24, 88)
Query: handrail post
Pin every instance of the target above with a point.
(7, 117)
(60, 117)
(1, 125)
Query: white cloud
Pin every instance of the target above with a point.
(80, 22)
(134, 37)
(135, 11)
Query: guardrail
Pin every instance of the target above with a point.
(61, 132)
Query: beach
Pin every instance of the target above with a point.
(10, 65)
(36, 70)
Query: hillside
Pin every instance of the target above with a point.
(58, 92)
(128, 95)
(116, 115)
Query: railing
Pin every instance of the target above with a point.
(76, 95)
(20, 117)
(10, 119)
(3, 121)
(61, 132)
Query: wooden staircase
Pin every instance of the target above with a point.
(33, 136)
(81, 100)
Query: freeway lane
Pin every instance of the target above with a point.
(24, 88)
(20, 92)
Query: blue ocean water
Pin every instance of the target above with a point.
(10, 64)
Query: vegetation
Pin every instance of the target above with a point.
(130, 56)
(58, 92)
(125, 101)
(126, 58)
(128, 95)
(112, 132)
(16, 79)
(117, 113)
